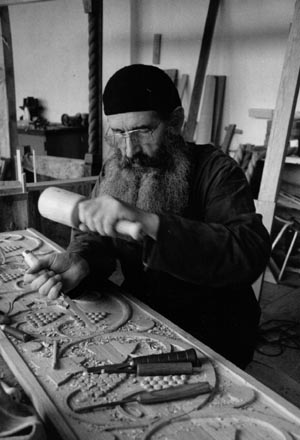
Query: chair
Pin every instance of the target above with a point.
(288, 225)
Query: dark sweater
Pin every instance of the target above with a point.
(199, 271)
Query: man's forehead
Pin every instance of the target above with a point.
(130, 120)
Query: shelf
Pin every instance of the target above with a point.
(294, 160)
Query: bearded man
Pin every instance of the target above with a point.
(203, 245)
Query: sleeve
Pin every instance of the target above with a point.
(228, 245)
(98, 251)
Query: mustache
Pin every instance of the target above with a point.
(162, 159)
(141, 160)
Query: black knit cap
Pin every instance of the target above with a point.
(140, 87)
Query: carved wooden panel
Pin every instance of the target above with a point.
(52, 367)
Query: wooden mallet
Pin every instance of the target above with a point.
(61, 206)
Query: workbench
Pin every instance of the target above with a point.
(52, 368)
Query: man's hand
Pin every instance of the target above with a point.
(102, 214)
(55, 272)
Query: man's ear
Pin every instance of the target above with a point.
(176, 120)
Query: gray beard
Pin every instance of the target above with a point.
(160, 189)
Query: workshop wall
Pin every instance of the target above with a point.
(248, 47)
(50, 45)
(51, 50)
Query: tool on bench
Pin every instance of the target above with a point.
(31, 259)
(180, 392)
(150, 365)
(61, 206)
(16, 333)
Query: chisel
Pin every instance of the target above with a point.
(180, 392)
(176, 357)
(31, 259)
(16, 333)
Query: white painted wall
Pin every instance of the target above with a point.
(256, 33)
(50, 55)
(51, 50)
(248, 47)
(50, 45)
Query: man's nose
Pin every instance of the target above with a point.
(131, 147)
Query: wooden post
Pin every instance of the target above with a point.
(8, 124)
(94, 9)
(190, 126)
(280, 130)
(156, 48)
(282, 123)
(34, 165)
(20, 2)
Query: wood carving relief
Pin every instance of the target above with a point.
(57, 367)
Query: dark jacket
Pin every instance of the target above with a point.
(199, 271)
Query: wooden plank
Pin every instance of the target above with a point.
(20, 2)
(8, 188)
(283, 115)
(191, 123)
(156, 48)
(182, 84)
(203, 133)
(8, 125)
(265, 113)
(58, 167)
(230, 397)
(230, 130)
(218, 109)
(267, 210)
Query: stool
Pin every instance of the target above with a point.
(288, 224)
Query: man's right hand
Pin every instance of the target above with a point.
(55, 272)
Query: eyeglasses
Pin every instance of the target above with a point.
(139, 136)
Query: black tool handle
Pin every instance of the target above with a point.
(189, 355)
(174, 393)
(164, 369)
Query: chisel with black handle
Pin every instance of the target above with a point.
(176, 357)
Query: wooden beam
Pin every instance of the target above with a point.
(57, 167)
(218, 109)
(20, 2)
(265, 113)
(201, 70)
(230, 130)
(203, 133)
(156, 48)
(182, 84)
(14, 187)
(282, 119)
(8, 123)
(94, 10)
